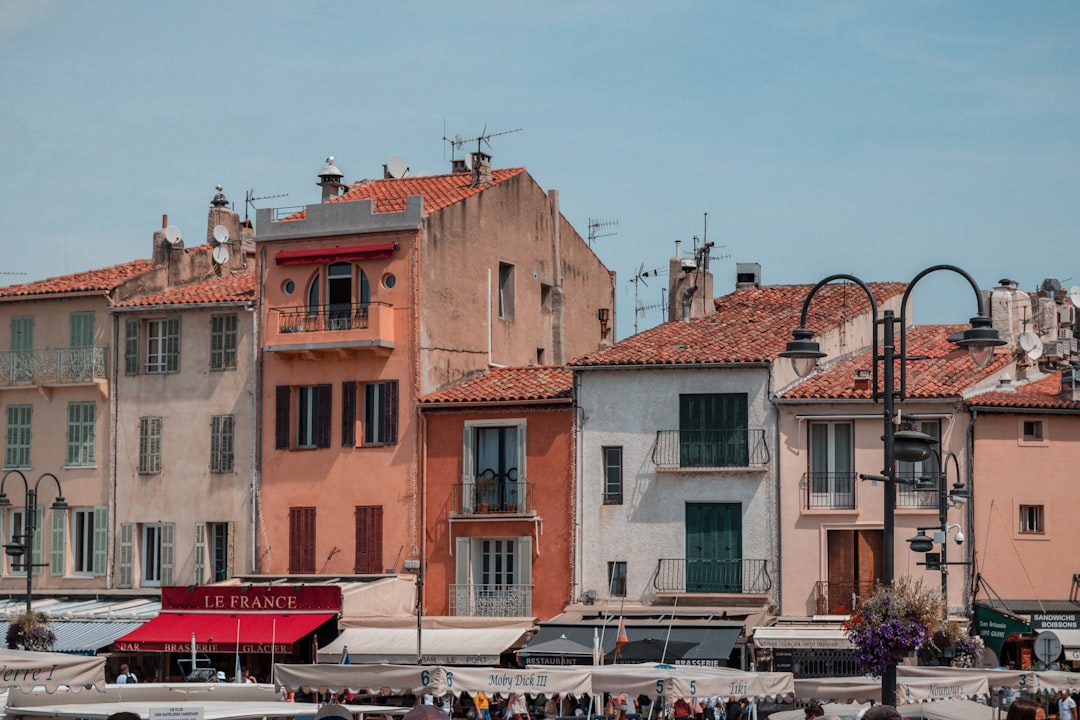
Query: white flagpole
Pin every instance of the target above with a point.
(273, 645)
(236, 675)
(192, 651)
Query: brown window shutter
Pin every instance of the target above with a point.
(302, 540)
(348, 413)
(322, 420)
(369, 539)
(390, 411)
(281, 426)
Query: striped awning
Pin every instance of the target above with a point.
(84, 637)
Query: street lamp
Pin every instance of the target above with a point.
(23, 545)
(923, 543)
(902, 445)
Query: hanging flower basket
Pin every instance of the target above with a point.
(31, 631)
(892, 623)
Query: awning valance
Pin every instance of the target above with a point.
(813, 637)
(439, 646)
(339, 254)
(706, 644)
(222, 632)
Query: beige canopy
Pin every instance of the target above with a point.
(395, 679)
(911, 689)
(28, 670)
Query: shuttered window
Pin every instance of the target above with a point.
(223, 336)
(302, 540)
(149, 445)
(369, 539)
(281, 417)
(381, 413)
(131, 346)
(81, 440)
(348, 413)
(221, 443)
(163, 345)
(17, 451)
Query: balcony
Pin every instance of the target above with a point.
(335, 328)
(830, 490)
(61, 366)
(491, 600)
(696, 450)
(839, 597)
(712, 575)
(908, 497)
(487, 496)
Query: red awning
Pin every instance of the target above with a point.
(218, 632)
(341, 254)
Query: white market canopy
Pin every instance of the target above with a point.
(27, 670)
(438, 645)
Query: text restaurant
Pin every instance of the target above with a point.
(219, 627)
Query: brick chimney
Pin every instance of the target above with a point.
(481, 169)
(330, 180)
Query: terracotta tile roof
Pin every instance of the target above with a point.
(749, 325)
(534, 382)
(1042, 394)
(946, 372)
(228, 288)
(101, 280)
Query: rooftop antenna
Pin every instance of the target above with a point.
(641, 278)
(249, 200)
(596, 225)
(484, 137)
(11, 272)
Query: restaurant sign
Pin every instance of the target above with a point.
(251, 598)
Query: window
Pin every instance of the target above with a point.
(89, 540)
(496, 466)
(506, 291)
(223, 338)
(149, 445)
(545, 298)
(17, 450)
(22, 348)
(131, 346)
(380, 413)
(616, 573)
(713, 430)
(221, 550)
(81, 430)
(368, 539)
(612, 475)
(1031, 519)
(157, 554)
(221, 443)
(1033, 430)
(80, 361)
(831, 483)
(163, 345)
(302, 540)
(313, 416)
(493, 577)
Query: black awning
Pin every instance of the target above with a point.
(703, 643)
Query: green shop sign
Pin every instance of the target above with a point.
(994, 626)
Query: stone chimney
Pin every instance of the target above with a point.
(481, 169)
(330, 180)
(163, 248)
(224, 216)
(1070, 382)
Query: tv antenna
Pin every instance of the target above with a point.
(458, 142)
(249, 200)
(596, 225)
(641, 277)
(11, 272)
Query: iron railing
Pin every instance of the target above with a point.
(710, 449)
(830, 490)
(838, 597)
(320, 318)
(712, 575)
(70, 365)
(491, 600)
(909, 497)
(483, 496)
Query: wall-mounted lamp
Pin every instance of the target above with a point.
(602, 315)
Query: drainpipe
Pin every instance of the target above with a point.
(114, 400)
(256, 446)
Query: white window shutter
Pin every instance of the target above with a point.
(168, 554)
(200, 553)
(468, 470)
(522, 477)
(126, 577)
(58, 547)
(524, 568)
(229, 551)
(101, 540)
(39, 538)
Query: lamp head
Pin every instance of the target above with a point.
(980, 340)
(59, 503)
(960, 492)
(912, 446)
(4, 501)
(921, 543)
(803, 351)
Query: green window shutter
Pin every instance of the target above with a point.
(82, 329)
(230, 342)
(126, 577)
(217, 342)
(172, 345)
(221, 443)
(58, 546)
(200, 553)
(131, 346)
(39, 538)
(101, 540)
(17, 450)
(228, 437)
(168, 552)
(230, 569)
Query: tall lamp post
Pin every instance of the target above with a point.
(903, 445)
(23, 545)
(923, 543)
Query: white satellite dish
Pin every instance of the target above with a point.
(396, 167)
(173, 236)
(1074, 295)
(221, 254)
(221, 235)
(468, 161)
(1031, 345)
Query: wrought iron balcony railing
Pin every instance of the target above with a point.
(830, 490)
(323, 318)
(838, 597)
(906, 494)
(712, 575)
(60, 365)
(710, 449)
(485, 496)
(491, 600)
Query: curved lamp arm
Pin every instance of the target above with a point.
(803, 351)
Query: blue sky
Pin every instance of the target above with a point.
(820, 137)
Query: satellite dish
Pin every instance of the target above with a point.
(173, 236)
(221, 254)
(468, 161)
(1074, 295)
(221, 235)
(397, 167)
(1031, 345)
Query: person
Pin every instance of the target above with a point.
(709, 711)
(813, 709)
(124, 715)
(126, 676)
(221, 676)
(681, 709)
(550, 710)
(733, 710)
(248, 677)
(483, 705)
(882, 712)
(1025, 709)
(517, 707)
(1066, 706)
